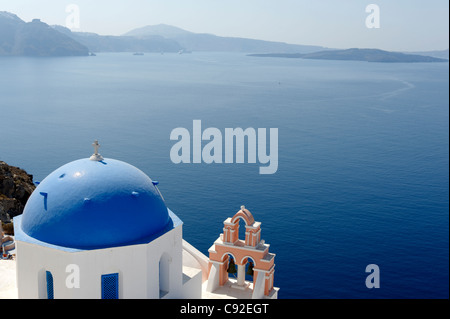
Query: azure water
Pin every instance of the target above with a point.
(362, 176)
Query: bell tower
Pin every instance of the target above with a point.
(241, 250)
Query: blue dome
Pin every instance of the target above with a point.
(95, 204)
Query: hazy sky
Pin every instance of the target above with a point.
(405, 25)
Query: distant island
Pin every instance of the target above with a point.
(368, 55)
(165, 38)
(191, 41)
(36, 38)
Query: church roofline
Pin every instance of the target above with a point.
(20, 235)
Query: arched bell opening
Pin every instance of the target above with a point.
(249, 265)
(232, 268)
(242, 230)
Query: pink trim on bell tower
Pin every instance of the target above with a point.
(252, 247)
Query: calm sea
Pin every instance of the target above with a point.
(363, 174)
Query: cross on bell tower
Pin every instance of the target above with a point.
(96, 156)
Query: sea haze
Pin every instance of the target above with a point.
(363, 174)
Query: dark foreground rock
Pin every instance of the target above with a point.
(16, 185)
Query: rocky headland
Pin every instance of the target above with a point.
(16, 186)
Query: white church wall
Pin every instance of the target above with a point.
(128, 262)
(165, 254)
(153, 270)
(138, 267)
(34, 260)
(199, 257)
(192, 283)
(32, 263)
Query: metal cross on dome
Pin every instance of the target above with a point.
(96, 156)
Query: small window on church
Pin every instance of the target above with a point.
(110, 286)
(49, 278)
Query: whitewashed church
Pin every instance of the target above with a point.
(99, 228)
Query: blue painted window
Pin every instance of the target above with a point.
(49, 278)
(110, 286)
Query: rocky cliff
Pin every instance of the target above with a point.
(36, 38)
(16, 186)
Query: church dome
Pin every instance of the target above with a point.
(95, 203)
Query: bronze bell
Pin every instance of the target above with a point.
(249, 269)
(231, 267)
